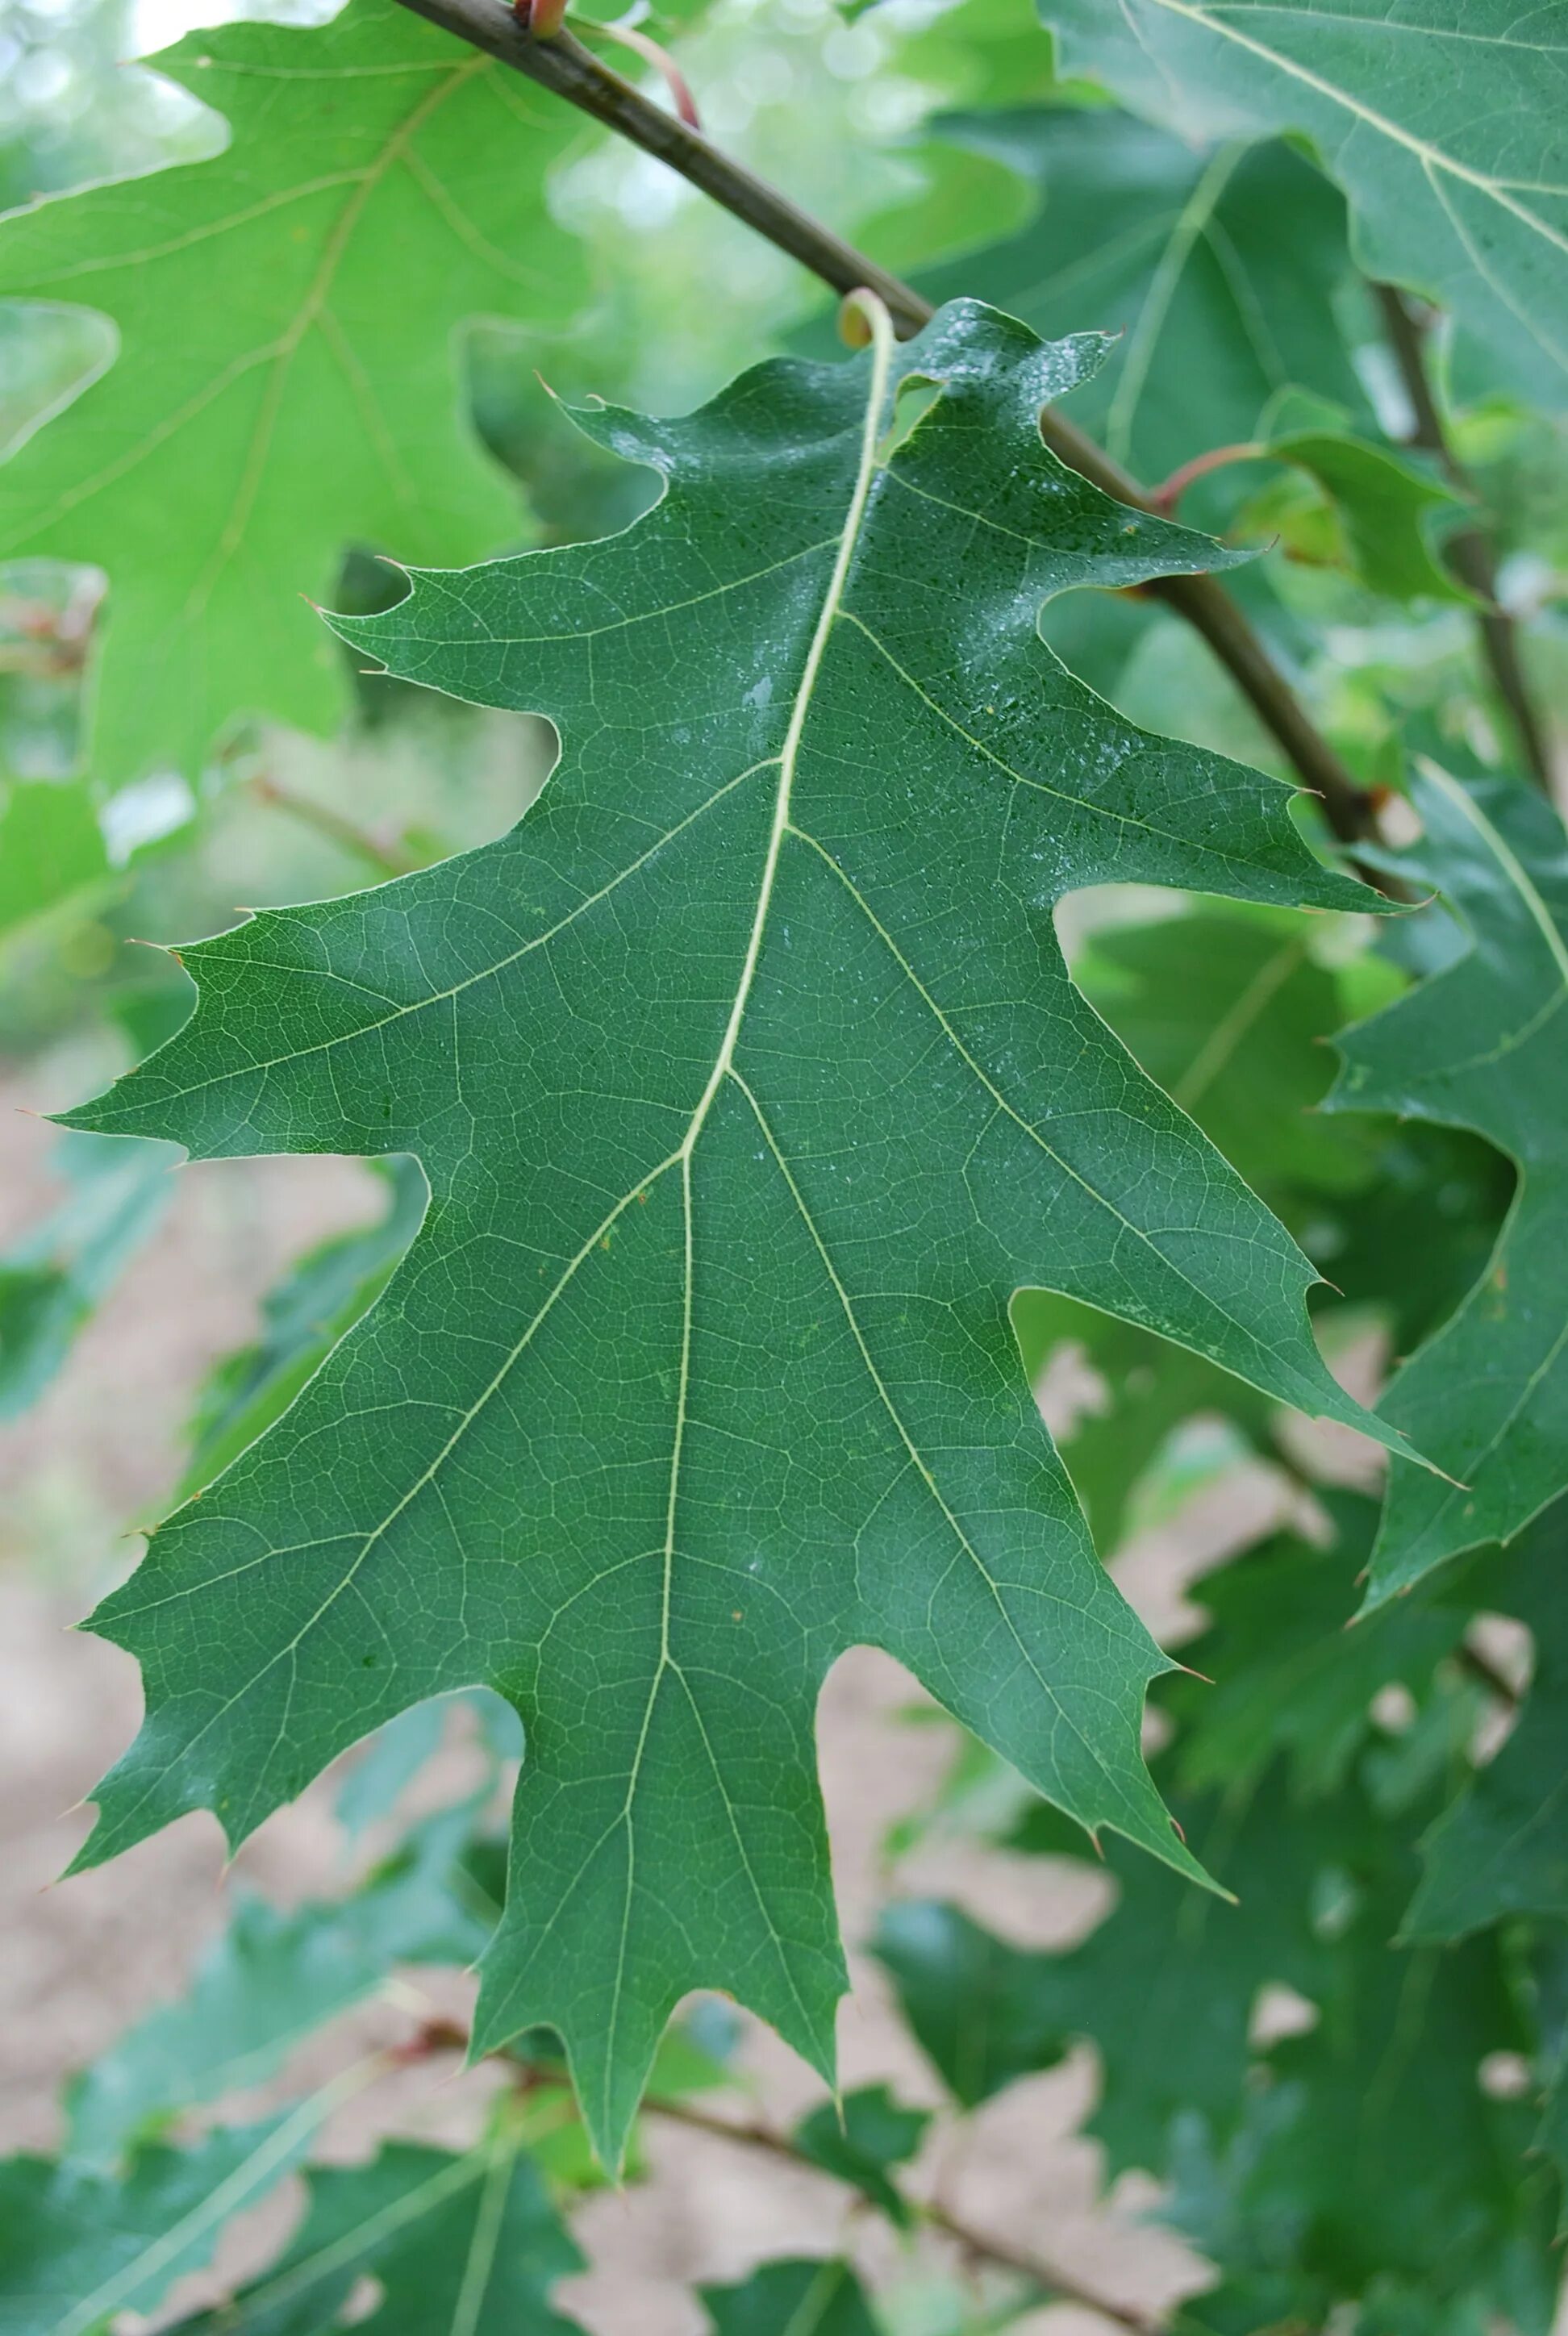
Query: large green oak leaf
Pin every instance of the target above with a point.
(749, 1085)
(287, 320)
(1442, 120)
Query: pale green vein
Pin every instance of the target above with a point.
(1233, 1025)
(917, 1458)
(1189, 225)
(481, 2262)
(876, 398)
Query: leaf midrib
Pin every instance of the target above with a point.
(879, 372)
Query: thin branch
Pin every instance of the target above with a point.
(1481, 1667)
(563, 65)
(1169, 492)
(391, 859)
(1470, 552)
(977, 2243)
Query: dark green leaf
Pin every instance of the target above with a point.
(1503, 1847)
(1481, 1046)
(1227, 1008)
(1291, 1676)
(749, 1083)
(791, 2298)
(78, 2247)
(1218, 270)
(861, 2138)
(1415, 1238)
(1334, 2164)
(1228, 1011)
(1164, 1987)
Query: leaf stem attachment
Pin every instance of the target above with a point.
(1168, 495)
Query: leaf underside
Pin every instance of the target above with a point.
(749, 1085)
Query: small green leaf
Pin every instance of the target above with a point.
(55, 1278)
(1381, 502)
(861, 2139)
(791, 2298)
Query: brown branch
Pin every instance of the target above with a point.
(1169, 492)
(1470, 552)
(561, 64)
(1482, 1668)
(977, 2243)
(392, 859)
(440, 2036)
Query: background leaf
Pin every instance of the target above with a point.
(52, 1279)
(1480, 1045)
(269, 1979)
(780, 2298)
(266, 388)
(452, 2240)
(1502, 1847)
(1443, 133)
(1219, 269)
